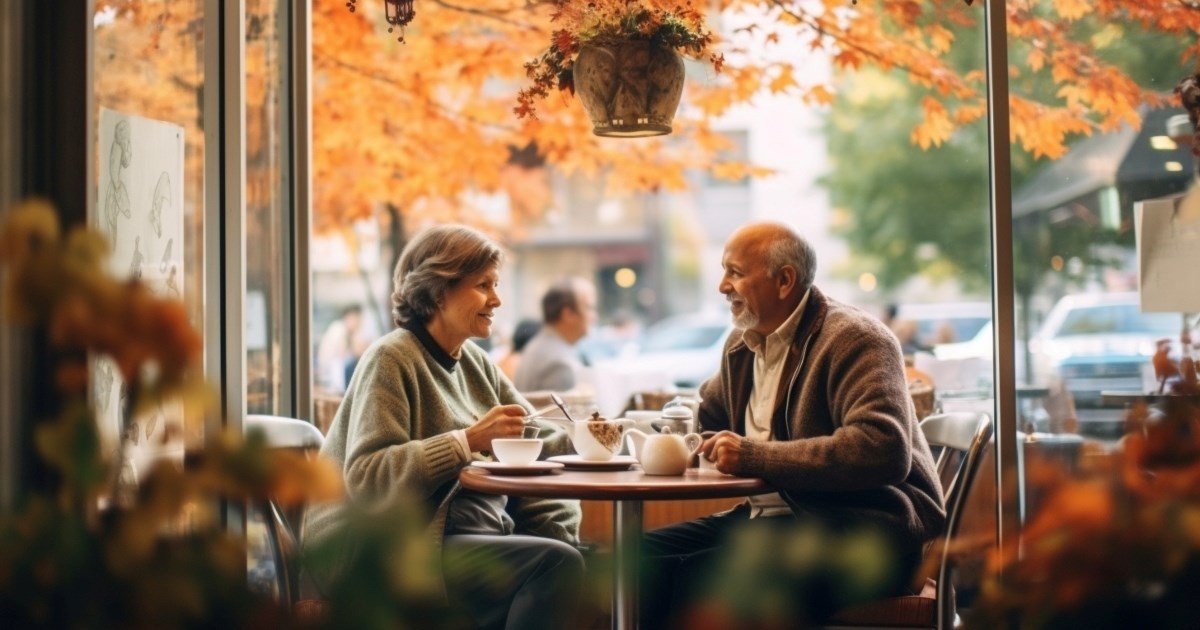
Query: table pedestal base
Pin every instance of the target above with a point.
(627, 542)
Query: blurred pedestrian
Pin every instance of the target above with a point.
(552, 361)
(339, 349)
(525, 330)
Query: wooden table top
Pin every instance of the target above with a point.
(618, 485)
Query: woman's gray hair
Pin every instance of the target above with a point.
(433, 262)
(789, 248)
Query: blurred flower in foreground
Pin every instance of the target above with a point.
(795, 575)
(161, 558)
(1117, 545)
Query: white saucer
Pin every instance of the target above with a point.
(532, 468)
(577, 462)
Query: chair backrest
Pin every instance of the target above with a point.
(283, 432)
(287, 433)
(285, 553)
(962, 437)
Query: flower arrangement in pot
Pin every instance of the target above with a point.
(622, 57)
(89, 550)
(1117, 543)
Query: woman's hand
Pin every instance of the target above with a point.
(501, 421)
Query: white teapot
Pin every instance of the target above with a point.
(664, 453)
(596, 439)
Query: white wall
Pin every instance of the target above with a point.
(784, 135)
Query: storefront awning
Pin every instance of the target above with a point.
(1125, 158)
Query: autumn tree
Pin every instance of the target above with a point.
(907, 217)
(421, 125)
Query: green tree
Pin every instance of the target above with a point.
(903, 211)
(906, 212)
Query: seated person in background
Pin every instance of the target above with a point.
(889, 314)
(944, 334)
(551, 360)
(525, 330)
(811, 397)
(340, 347)
(906, 332)
(425, 404)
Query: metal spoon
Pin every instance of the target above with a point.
(561, 405)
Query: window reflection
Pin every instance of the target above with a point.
(267, 209)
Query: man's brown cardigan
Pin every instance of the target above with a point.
(846, 447)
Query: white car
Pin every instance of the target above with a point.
(945, 322)
(686, 347)
(979, 346)
(1098, 342)
(677, 352)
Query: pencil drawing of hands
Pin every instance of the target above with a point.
(116, 196)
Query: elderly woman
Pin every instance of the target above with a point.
(422, 405)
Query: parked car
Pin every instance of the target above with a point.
(978, 346)
(1098, 342)
(686, 347)
(945, 322)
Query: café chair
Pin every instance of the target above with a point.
(960, 440)
(325, 406)
(285, 433)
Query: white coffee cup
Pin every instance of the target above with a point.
(517, 451)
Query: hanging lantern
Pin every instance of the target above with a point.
(396, 12)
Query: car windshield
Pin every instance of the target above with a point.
(949, 329)
(669, 338)
(1117, 319)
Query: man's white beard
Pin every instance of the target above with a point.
(747, 319)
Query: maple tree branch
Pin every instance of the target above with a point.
(494, 15)
(813, 22)
(390, 82)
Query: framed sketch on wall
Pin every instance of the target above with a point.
(139, 206)
(1168, 248)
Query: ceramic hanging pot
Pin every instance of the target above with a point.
(630, 89)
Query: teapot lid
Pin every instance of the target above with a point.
(677, 412)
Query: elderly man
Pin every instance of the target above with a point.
(551, 360)
(811, 396)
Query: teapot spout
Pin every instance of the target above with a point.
(636, 440)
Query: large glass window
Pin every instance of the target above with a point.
(869, 135)
(268, 209)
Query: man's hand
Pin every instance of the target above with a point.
(724, 448)
(501, 421)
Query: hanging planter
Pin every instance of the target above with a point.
(623, 59)
(397, 13)
(629, 89)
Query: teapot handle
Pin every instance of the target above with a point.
(693, 442)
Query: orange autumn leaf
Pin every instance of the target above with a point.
(936, 126)
(819, 94)
(388, 116)
(1078, 506)
(1073, 9)
(783, 81)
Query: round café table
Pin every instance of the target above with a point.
(627, 489)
